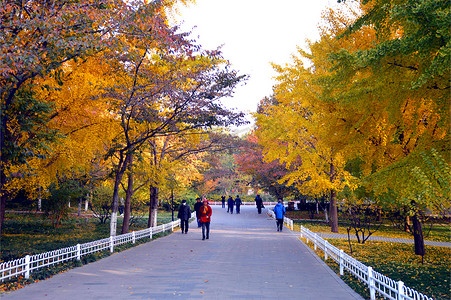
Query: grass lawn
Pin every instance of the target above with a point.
(30, 234)
(439, 233)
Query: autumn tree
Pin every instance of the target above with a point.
(38, 37)
(405, 96)
(164, 85)
(265, 175)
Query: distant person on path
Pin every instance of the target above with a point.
(259, 203)
(197, 206)
(238, 203)
(223, 201)
(279, 211)
(205, 218)
(184, 215)
(230, 204)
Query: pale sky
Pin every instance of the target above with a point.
(253, 34)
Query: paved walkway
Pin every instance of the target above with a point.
(245, 258)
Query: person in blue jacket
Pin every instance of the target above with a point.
(279, 211)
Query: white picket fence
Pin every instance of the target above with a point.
(377, 282)
(25, 265)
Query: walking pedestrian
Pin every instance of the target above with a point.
(230, 204)
(259, 203)
(184, 215)
(205, 218)
(223, 201)
(238, 203)
(279, 211)
(197, 206)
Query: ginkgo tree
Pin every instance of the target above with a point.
(363, 97)
(304, 130)
(38, 37)
(405, 95)
(163, 85)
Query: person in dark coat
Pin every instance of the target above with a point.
(197, 206)
(259, 203)
(223, 201)
(230, 204)
(184, 215)
(279, 211)
(238, 203)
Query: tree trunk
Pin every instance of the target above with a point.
(122, 165)
(153, 207)
(79, 208)
(418, 236)
(379, 214)
(4, 161)
(407, 224)
(333, 212)
(326, 217)
(87, 201)
(128, 197)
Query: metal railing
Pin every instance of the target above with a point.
(376, 282)
(25, 265)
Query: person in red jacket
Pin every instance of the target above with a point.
(205, 218)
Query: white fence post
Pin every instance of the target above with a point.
(302, 228)
(325, 250)
(150, 232)
(78, 252)
(315, 241)
(133, 237)
(27, 266)
(371, 284)
(111, 244)
(341, 262)
(400, 290)
(172, 226)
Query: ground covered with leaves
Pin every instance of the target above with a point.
(398, 261)
(437, 232)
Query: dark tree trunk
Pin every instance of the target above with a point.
(153, 207)
(79, 207)
(128, 197)
(418, 236)
(122, 166)
(3, 158)
(333, 212)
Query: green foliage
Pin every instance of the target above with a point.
(56, 205)
(28, 134)
(424, 37)
(100, 203)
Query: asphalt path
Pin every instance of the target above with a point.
(245, 258)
